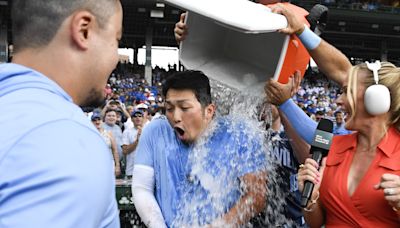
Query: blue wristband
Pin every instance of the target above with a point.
(309, 39)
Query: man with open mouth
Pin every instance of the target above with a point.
(193, 156)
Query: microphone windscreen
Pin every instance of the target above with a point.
(323, 135)
(325, 125)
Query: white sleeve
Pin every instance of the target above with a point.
(143, 197)
(125, 137)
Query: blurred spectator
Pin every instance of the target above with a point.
(108, 90)
(109, 140)
(144, 108)
(131, 140)
(120, 110)
(128, 123)
(339, 128)
(319, 115)
(110, 120)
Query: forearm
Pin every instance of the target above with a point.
(126, 113)
(115, 154)
(143, 197)
(103, 111)
(303, 125)
(127, 149)
(299, 146)
(250, 204)
(147, 208)
(332, 62)
(314, 214)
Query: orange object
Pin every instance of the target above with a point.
(241, 52)
(297, 57)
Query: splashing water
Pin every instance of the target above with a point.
(211, 189)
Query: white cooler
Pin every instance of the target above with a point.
(236, 42)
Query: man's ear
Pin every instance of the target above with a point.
(210, 111)
(82, 24)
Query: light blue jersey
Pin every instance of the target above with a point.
(55, 168)
(206, 175)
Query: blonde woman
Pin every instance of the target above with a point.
(358, 185)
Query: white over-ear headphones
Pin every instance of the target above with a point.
(377, 96)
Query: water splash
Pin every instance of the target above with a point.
(243, 111)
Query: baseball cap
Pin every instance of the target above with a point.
(95, 116)
(142, 106)
(136, 111)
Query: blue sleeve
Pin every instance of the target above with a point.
(145, 149)
(58, 175)
(302, 124)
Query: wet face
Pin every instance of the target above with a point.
(110, 118)
(104, 52)
(186, 115)
(361, 117)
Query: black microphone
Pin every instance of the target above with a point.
(319, 148)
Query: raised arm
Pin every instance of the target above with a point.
(300, 147)
(103, 111)
(332, 62)
(123, 109)
(279, 94)
(181, 30)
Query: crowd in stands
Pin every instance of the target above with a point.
(128, 86)
(127, 94)
(127, 91)
(317, 96)
(367, 5)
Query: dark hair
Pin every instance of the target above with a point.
(110, 110)
(193, 80)
(337, 112)
(114, 102)
(321, 113)
(35, 22)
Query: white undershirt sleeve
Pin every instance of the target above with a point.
(143, 197)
